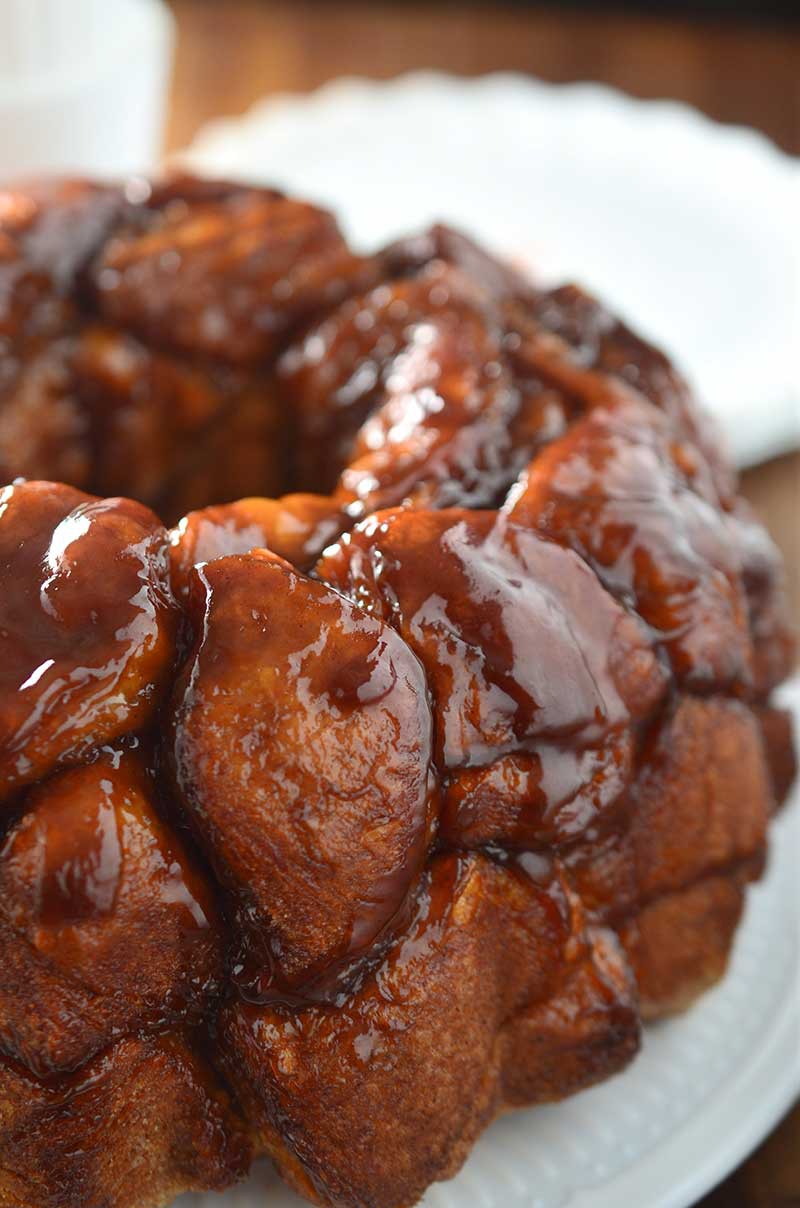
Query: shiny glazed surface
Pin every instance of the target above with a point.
(419, 790)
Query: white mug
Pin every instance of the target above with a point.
(83, 86)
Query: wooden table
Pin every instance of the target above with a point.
(231, 52)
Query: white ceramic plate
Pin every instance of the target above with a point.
(687, 228)
(706, 1088)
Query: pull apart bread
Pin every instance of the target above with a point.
(339, 818)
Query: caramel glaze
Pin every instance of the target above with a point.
(288, 701)
(501, 620)
(295, 527)
(639, 508)
(85, 653)
(438, 385)
(409, 384)
(101, 909)
(428, 371)
(409, 810)
(224, 271)
(50, 232)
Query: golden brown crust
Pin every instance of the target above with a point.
(144, 1121)
(678, 945)
(777, 735)
(672, 879)
(451, 1026)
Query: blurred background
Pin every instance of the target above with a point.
(736, 60)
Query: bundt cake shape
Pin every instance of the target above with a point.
(342, 816)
